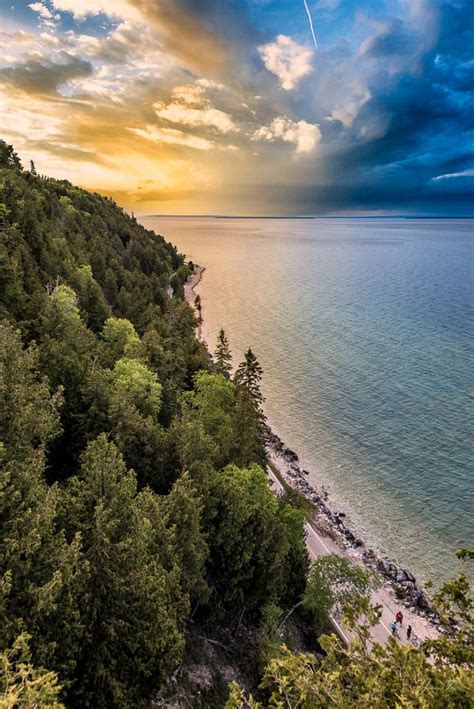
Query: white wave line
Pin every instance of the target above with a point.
(310, 23)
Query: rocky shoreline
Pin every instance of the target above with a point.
(401, 580)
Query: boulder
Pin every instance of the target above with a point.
(290, 455)
(384, 566)
(400, 576)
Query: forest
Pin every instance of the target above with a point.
(136, 515)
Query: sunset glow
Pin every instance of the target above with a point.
(175, 106)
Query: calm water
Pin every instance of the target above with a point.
(364, 329)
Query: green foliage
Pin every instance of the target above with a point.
(250, 399)
(365, 674)
(22, 685)
(29, 415)
(212, 404)
(91, 300)
(134, 383)
(131, 624)
(222, 355)
(8, 157)
(121, 340)
(249, 375)
(250, 541)
(101, 373)
(333, 583)
(182, 514)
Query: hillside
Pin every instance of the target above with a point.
(116, 523)
(141, 547)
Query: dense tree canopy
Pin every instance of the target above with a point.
(123, 510)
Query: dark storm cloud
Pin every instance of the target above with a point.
(424, 103)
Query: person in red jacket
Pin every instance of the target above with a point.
(399, 618)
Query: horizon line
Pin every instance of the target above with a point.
(314, 216)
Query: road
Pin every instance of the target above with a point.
(319, 545)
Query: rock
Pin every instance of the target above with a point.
(358, 543)
(392, 570)
(423, 601)
(400, 576)
(384, 566)
(290, 455)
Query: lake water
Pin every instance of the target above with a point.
(364, 329)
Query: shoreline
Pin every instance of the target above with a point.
(190, 295)
(396, 582)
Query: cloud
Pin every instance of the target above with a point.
(306, 136)
(347, 112)
(288, 60)
(451, 175)
(80, 9)
(191, 107)
(43, 76)
(42, 10)
(209, 84)
(172, 136)
(393, 94)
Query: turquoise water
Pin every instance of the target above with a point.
(364, 329)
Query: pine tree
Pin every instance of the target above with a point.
(33, 168)
(222, 355)
(249, 375)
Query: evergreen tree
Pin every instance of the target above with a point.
(132, 638)
(38, 567)
(248, 540)
(212, 405)
(33, 168)
(222, 355)
(249, 375)
(8, 157)
(249, 430)
(183, 511)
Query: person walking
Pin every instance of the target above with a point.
(409, 632)
(399, 618)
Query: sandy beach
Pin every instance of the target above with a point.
(327, 533)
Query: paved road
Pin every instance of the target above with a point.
(319, 545)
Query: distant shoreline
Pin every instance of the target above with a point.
(441, 217)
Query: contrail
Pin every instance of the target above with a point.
(310, 23)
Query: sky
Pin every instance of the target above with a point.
(254, 107)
